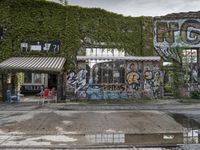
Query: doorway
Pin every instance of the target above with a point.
(52, 81)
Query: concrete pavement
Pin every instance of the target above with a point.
(31, 125)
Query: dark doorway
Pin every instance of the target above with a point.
(52, 81)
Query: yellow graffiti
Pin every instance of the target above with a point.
(133, 77)
(148, 75)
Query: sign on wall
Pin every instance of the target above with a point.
(169, 34)
(40, 46)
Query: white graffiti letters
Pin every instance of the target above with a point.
(170, 34)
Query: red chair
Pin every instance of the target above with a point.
(46, 93)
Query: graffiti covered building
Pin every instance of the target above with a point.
(103, 55)
(50, 40)
(112, 74)
(177, 39)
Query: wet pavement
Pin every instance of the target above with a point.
(27, 125)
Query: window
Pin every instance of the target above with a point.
(28, 77)
(106, 69)
(32, 77)
(108, 72)
(37, 78)
(189, 56)
(103, 52)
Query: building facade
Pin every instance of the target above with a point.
(95, 54)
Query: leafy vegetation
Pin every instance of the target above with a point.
(73, 26)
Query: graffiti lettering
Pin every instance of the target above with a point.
(190, 32)
(114, 87)
(165, 31)
(142, 78)
(169, 34)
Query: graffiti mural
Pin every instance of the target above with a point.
(133, 78)
(116, 80)
(76, 82)
(110, 91)
(71, 80)
(152, 80)
(80, 90)
(170, 34)
(133, 75)
(134, 71)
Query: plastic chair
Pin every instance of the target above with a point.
(46, 95)
(12, 97)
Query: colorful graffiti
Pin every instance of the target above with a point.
(134, 81)
(71, 80)
(77, 82)
(108, 91)
(133, 75)
(143, 79)
(152, 80)
(81, 83)
(170, 34)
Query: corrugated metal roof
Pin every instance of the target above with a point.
(42, 64)
(135, 58)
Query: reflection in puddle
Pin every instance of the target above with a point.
(140, 139)
(106, 138)
(191, 134)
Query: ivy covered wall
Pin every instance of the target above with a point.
(73, 26)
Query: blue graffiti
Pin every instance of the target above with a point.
(96, 92)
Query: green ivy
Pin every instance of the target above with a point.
(31, 20)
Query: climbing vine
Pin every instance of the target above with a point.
(74, 27)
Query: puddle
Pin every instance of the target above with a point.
(112, 138)
(191, 132)
(189, 135)
(137, 139)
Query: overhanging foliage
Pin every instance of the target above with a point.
(73, 26)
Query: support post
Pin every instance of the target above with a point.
(4, 86)
(60, 87)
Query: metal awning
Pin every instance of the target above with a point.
(133, 58)
(33, 64)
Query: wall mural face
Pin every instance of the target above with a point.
(115, 80)
(169, 34)
(134, 77)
